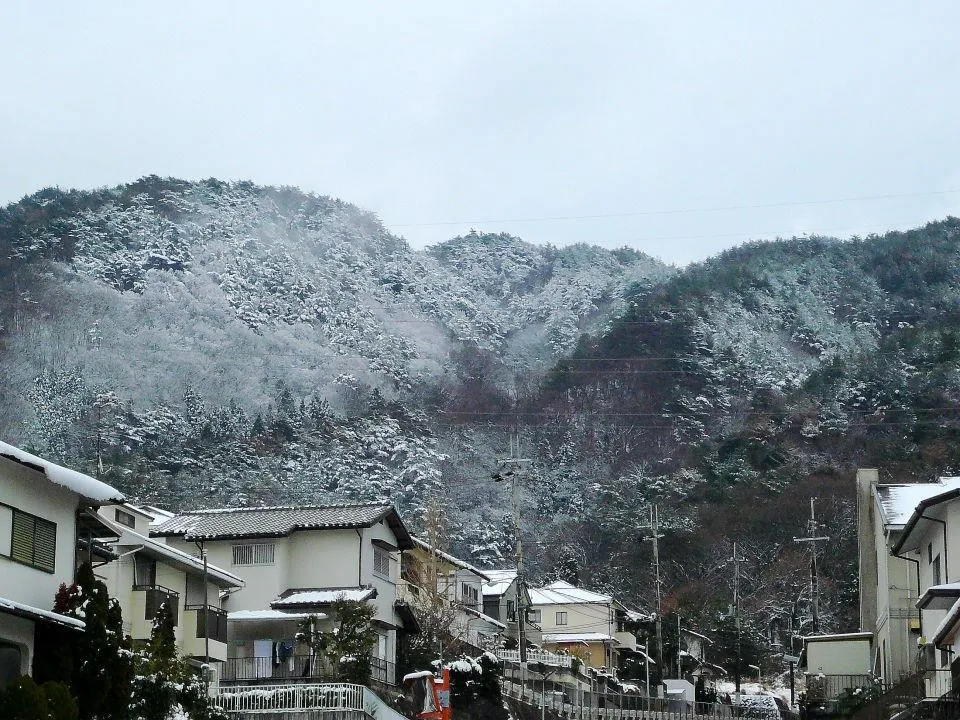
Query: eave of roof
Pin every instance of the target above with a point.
(838, 637)
(91, 489)
(449, 558)
(947, 626)
(918, 515)
(12, 607)
(937, 592)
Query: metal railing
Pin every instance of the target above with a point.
(157, 595)
(829, 687)
(218, 621)
(296, 668)
(337, 697)
(588, 705)
(537, 656)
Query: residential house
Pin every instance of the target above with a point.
(295, 563)
(889, 584)
(45, 510)
(927, 538)
(147, 573)
(586, 624)
(431, 575)
(500, 602)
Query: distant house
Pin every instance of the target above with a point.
(500, 601)
(931, 539)
(457, 585)
(148, 573)
(889, 583)
(295, 562)
(45, 511)
(587, 624)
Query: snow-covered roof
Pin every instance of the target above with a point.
(253, 615)
(948, 624)
(911, 540)
(500, 581)
(449, 558)
(899, 501)
(12, 607)
(157, 516)
(563, 593)
(836, 637)
(577, 637)
(637, 616)
(171, 555)
(84, 485)
(313, 597)
(280, 521)
(485, 618)
(938, 593)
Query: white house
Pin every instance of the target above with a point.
(148, 572)
(931, 539)
(295, 562)
(889, 583)
(500, 602)
(44, 510)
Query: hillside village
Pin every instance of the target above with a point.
(271, 609)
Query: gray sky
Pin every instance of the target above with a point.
(497, 112)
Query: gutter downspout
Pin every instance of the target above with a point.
(360, 558)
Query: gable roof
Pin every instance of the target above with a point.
(87, 487)
(907, 538)
(900, 500)
(457, 562)
(280, 521)
(499, 582)
(563, 593)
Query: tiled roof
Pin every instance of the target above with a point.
(253, 522)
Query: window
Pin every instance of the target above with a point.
(254, 554)
(930, 553)
(470, 594)
(533, 616)
(125, 518)
(10, 664)
(33, 541)
(944, 658)
(936, 570)
(511, 610)
(561, 618)
(381, 561)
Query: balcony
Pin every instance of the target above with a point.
(193, 636)
(295, 669)
(147, 600)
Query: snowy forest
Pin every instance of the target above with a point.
(217, 343)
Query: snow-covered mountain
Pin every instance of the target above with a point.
(214, 343)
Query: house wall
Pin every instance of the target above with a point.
(581, 618)
(18, 632)
(328, 558)
(386, 585)
(30, 491)
(839, 657)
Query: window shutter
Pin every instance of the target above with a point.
(21, 545)
(45, 545)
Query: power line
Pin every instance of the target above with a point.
(678, 211)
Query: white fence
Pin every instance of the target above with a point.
(537, 656)
(286, 698)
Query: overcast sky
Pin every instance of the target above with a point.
(442, 116)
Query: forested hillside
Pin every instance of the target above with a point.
(223, 343)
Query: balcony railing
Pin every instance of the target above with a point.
(296, 668)
(218, 622)
(156, 595)
(537, 656)
(829, 687)
(274, 698)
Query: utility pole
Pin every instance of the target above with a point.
(736, 609)
(813, 527)
(655, 537)
(510, 468)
